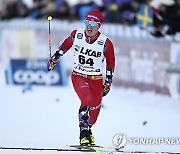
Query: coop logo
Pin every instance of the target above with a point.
(34, 71)
(38, 77)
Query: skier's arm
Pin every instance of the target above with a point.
(64, 47)
(110, 65)
(68, 42)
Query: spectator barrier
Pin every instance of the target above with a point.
(141, 60)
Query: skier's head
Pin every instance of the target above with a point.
(93, 22)
(94, 15)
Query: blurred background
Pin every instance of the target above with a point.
(146, 38)
(145, 33)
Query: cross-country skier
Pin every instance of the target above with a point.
(90, 48)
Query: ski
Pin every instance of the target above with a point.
(89, 147)
(46, 149)
(83, 147)
(92, 146)
(99, 149)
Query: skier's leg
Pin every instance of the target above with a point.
(96, 105)
(83, 90)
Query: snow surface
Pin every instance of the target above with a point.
(47, 117)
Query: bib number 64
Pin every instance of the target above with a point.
(83, 61)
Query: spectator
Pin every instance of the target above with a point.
(48, 8)
(9, 10)
(62, 9)
(112, 12)
(122, 11)
(128, 10)
(13, 9)
(83, 7)
(35, 12)
(165, 12)
(22, 9)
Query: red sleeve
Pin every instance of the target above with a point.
(109, 54)
(68, 42)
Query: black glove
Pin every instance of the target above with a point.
(106, 88)
(53, 60)
(108, 81)
(51, 64)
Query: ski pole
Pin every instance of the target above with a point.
(49, 35)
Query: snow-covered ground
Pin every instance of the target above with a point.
(47, 117)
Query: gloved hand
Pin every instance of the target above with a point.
(108, 81)
(51, 64)
(53, 60)
(106, 88)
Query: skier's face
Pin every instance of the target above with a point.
(91, 28)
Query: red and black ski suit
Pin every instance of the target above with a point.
(89, 87)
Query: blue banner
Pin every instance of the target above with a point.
(34, 71)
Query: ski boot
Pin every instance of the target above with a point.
(91, 137)
(84, 137)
